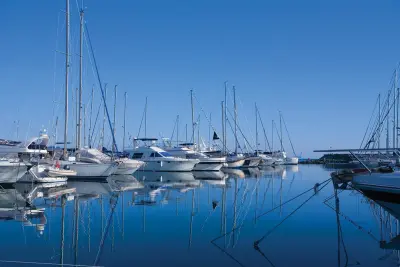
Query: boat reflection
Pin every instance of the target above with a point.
(292, 168)
(274, 172)
(234, 173)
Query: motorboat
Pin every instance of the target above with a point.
(126, 166)
(157, 159)
(16, 156)
(32, 146)
(11, 170)
(206, 163)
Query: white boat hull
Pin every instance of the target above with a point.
(128, 167)
(90, 170)
(169, 166)
(291, 161)
(12, 172)
(234, 163)
(208, 166)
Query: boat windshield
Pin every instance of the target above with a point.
(165, 154)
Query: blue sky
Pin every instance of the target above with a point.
(322, 63)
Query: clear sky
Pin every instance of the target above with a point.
(322, 63)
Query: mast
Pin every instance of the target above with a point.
(79, 123)
(145, 119)
(223, 128)
(177, 130)
(235, 108)
(123, 140)
(387, 123)
(209, 133)
(394, 108)
(225, 119)
(114, 124)
(84, 125)
(66, 78)
(198, 133)
(104, 116)
(90, 120)
(280, 126)
(76, 117)
(397, 117)
(379, 120)
(272, 132)
(192, 104)
(255, 105)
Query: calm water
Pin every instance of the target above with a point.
(188, 220)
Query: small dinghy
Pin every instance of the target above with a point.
(57, 172)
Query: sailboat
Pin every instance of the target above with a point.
(82, 169)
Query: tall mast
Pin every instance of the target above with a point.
(379, 121)
(192, 104)
(145, 119)
(177, 130)
(90, 120)
(115, 109)
(123, 140)
(76, 117)
(66, 78)
(394, 108)
(223, 128)
(272, 145)
(225, 119)
(256, 112)
(84, 125)
(397, 118)
(79, 123)
(104, 116)
(198, 133)
(280, 126)
(235, 108)
(209, 133)
(387, 122)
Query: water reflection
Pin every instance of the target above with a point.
(125, 219)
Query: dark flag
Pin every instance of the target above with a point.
(215, 136)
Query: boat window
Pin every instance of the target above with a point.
(152, 155)
(137, 155)
(165, 154)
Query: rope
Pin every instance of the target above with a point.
(257, 242)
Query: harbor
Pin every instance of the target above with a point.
(198, 135)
